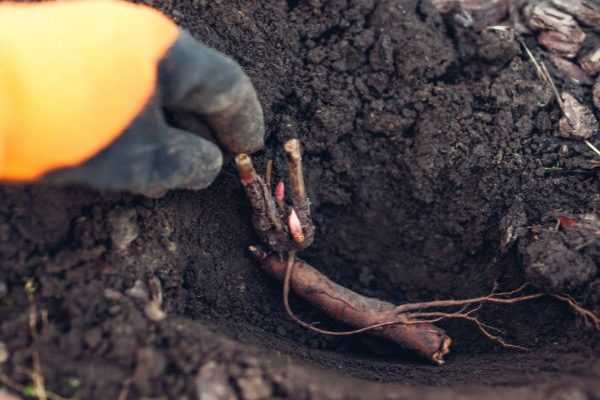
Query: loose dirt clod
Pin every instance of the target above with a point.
(555, 267)
(124, 229)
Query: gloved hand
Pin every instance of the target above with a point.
(83, 90)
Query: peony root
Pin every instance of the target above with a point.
(361, 312)
(287, 228)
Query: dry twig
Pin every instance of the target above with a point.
(17, 387)
(37, 377)
(296, 174)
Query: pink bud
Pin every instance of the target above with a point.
(280, 192)
(295, 227)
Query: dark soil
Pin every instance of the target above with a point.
(435, 169)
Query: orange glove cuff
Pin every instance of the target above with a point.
(74, 75)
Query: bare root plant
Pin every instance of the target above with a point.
(287, 228)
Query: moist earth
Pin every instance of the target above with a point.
(435, 171)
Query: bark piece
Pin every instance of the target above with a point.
(560, 31)
(571, 70)
(586, 11)
(563, 45)
(590, 62)
(596, 94)
(578, 121)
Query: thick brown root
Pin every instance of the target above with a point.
(378, 317)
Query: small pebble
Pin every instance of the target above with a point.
(212, 383)
(112, 294)
(254, 387)
(139, 291)
(154, 306)
(124, 228)
(154, 312)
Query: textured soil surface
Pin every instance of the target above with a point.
(435, 169)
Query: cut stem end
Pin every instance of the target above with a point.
(245, 168)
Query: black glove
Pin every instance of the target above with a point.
(150, 156)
